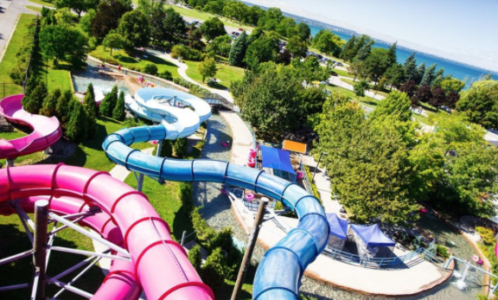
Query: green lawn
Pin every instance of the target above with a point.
(130, 62)
(343, 73)
(34, 8)
(9, 60)
(350, 81)
(44, 3)
(226, 74)
(205, 16)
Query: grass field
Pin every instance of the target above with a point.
(34, 8)
(343, 73)
(226, 74)
(130, 62)
(9, 60)
(205, 16)
(44, 3)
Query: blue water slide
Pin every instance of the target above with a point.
(280, 271)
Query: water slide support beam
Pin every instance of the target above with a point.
(39, 248)
(246, 261)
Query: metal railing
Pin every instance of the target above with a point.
(213, 98)
(306, 179)
(409, 259)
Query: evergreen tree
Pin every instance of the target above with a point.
(166, 148)
(396, 105)
(33, 102)
(361, 41)
(392, 54)
(62, 108)
(410, 67)
(365, 51)
(238, 50)
(90, 98)
(109, 102)
(180, 148)
(77, 126)
(348, 50)
(420, 73)
(119, 110)
(429, 75)
(49, 108)
(195, 257)
(438, 77)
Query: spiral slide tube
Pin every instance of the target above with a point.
(158, 263)
(280, 271)
(46, 131)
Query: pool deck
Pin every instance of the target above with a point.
(390, 282)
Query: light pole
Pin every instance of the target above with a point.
(314, 172)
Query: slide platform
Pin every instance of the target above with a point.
(46, 131)
(280, 271)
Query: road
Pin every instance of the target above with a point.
(10, 10)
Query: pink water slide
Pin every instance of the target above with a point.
(158, 265)
(46, 131)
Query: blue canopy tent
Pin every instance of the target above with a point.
(279, 161)
(338, 231)
(371, 240)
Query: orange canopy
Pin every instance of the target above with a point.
(294, 146)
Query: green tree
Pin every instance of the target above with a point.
(63, 42)
(364, 52)
(262, 50)
(78, 6)
(90, 107)
(77, 126)
(212, 271)
(207, 68)
(410, 67)
(238, 50)
(33, 102)
(220, 46)
(395, 75)
(150, 69)
(134, 36)
(108, 14)
(377, 64)
(50, 103)
(348, 51)
(213, 28)
(420, 73)
(359, 88)
(391, 55)
(180, 147)
(118, 112)
(109, 102)
(113, 40)
(303, 31)
(274, 100)
(480, 103)
(86, 21)
(297, 47)
(195, 257)
(64, 16)
(396, 105)
(429, 75)
(452, 84)
(166, 148)
(327, 42)
(194, 36)
(62, 109)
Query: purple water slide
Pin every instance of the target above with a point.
(46, 131)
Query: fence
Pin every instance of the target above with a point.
(5, 89)
(411, 258)
(306, 179)
(215, 99)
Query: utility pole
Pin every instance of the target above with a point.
(246, 261)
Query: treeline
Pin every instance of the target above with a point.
(421, 83)
(381, 167)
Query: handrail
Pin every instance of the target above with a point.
(221, 100)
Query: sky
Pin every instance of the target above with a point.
(461, 30)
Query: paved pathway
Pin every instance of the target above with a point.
(10, 11)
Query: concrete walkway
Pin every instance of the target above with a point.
(10, 11)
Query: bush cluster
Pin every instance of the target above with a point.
(187, 53)
(30, 45)
(193, 88)
(487, 246)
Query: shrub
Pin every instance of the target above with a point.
(442, 251)
(179, 51)
(50, 104)
(212, 271)
(313, 186)
(33, 102)
(109, 103)
(166, 75)
(62, 109)
(150, 69)
(195, 257)
(17, 74)
(205, 234)
(185, 193)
